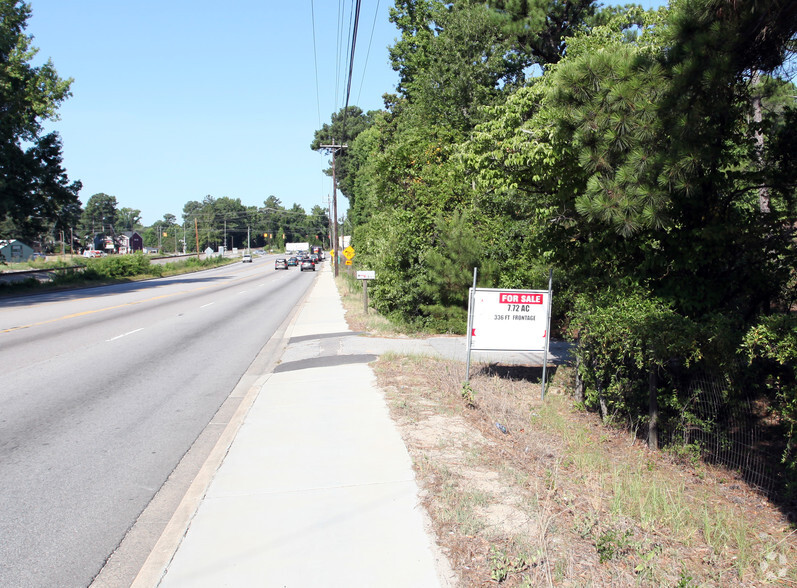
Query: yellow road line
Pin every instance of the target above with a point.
(88, 312)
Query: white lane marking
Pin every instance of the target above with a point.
(242, 292)
(123, 335)
(206, 305)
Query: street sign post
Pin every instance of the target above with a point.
(365, 275)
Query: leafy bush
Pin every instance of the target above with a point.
(771, 348)
(121, 266)
(622, 338)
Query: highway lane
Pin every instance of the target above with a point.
(103, 391)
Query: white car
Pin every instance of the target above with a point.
(246, 258)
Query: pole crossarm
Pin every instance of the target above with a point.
(333, 147)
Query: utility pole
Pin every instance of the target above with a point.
(329, 215)
(196, 232)
(336, 247)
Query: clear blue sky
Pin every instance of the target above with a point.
(177, 99)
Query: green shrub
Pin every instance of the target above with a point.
(771, 348)
(622, 337)
(122, 266)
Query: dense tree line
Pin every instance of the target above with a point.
(213, 222)
(646, 156)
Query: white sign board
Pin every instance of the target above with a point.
(509, 320)
(296, 247)
(366, 275)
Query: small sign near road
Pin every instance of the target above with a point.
(509, 320)
(366, 275)
(348, 253)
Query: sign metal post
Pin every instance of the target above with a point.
(470, 322)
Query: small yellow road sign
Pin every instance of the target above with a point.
(348, 253)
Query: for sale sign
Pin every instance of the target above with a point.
(509, 320)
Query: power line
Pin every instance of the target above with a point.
(368, 52)
(338, 47)
(351, 68)
(315, 63)
(348, 43)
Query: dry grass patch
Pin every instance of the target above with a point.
(526, 493)
(560, 500)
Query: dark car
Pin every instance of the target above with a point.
(293, 261)
(314, 258)
(307, 265)
(281, 263)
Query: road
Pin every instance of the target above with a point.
(103, 391)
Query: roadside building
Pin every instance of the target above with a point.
(130, 242)
(13, 251)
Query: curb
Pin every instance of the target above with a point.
(158, 561)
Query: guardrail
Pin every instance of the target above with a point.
(44, 269)
(43, 274)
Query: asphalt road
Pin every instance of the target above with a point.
(103, 391)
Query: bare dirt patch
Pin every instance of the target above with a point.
(529, 493)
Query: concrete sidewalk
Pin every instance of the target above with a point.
(317, 487)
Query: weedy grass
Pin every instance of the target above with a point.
(601, 509)
(107, 270)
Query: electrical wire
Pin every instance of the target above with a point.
(351, 65)
(368, 52)
(348, 42)
(315, 64)
(338, 47)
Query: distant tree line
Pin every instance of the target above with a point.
(213, 222)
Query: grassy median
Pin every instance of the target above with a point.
(78, 272)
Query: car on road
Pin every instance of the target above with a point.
(281, 263)
(246, 258)
(307, 265)
(314, 258)
(293, 261)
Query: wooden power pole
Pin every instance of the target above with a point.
(336, 245)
